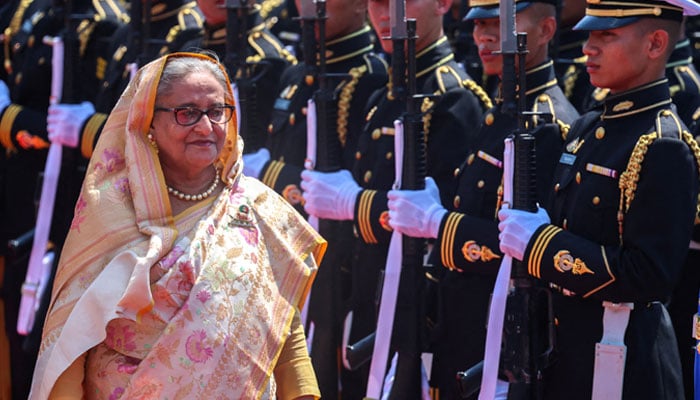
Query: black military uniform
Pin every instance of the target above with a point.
(637, 259)
(467, 243)
(684, 84)
(449, 117)
(363, 72)
(613, 236)
(263, 58)
(24, 138)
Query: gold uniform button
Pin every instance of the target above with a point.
(666, 113)
(270, 128)
(556, 188)
(456, 173)
(578, 177)
(30, 41)
(444, 69)
(456, 201)
(389, 155)
(596, 200)
(257, 35)
(376, 134)
(543, 98)
(303, 111)
(565, 224)
(489, 118)
(470, 160)
(18, 78)
(358, 155)
(480, 184)
(368, 176)
(309, 80)
(292, 119)
(600, 132)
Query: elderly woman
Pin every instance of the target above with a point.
(180, 277)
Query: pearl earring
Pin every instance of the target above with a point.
(152, 141)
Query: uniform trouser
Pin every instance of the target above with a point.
(5, 378)
(683, 305)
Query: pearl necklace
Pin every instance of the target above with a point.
(196, 197)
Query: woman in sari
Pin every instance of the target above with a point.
(180, 277)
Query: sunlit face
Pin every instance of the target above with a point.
(616, 58)
(189, 150)
(428, 15)
(487, 37)
(214, 11)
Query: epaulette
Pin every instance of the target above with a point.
(375, 64)
(267, 45)
(688, 80)
(447, 78)
(188, 18)
(668, 124)
(267, 6)
(110, 9)
(544, 104)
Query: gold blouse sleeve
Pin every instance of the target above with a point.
(69, 385)
(294, 373)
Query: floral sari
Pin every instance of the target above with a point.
(193, 306)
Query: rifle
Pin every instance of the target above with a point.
(139, 36)
(403, 278)
(242, 73)
(324, 153)
(358, 353)
(527, 334)
(65, 58)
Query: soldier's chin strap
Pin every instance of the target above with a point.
(610, 352)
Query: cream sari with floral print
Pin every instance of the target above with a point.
(196, 306)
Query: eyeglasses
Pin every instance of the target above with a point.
(187, 116)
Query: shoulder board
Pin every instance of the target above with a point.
(189, 18)
(688, 80)
(447, 77)
(375, 64)
(110, 9)
(266, 45)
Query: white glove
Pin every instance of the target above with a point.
(253, 163)
(416, 213)
(4, 96)
(329, 195)
(517, 227)
(65, 120)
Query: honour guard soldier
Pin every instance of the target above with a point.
(355, 72)
(261, 62)
(466, 228)
(24, 136)
(454, 105)
(611, 247)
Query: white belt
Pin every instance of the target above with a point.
(610, 352)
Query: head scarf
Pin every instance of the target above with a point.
(122, 226)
